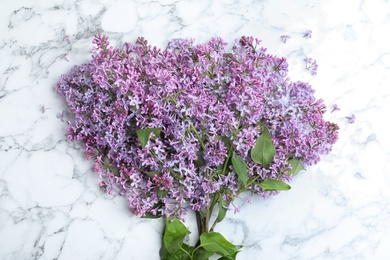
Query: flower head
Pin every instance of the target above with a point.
(198, 104)
(311, 65)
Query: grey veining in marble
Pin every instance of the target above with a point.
(51, 206)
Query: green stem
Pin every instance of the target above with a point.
(252, 181)
(231, 147)
(203, 220)
(214, 224)
(182, 249)
(197, 135)
(207, 220)
(199, 225)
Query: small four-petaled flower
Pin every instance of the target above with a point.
(307, 34)
(285, 38)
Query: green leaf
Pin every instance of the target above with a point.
(162, 193)
(239, 166)
(216, 243)
(224, 139)
(296, 166)
(188, 249)
(264, 150)
(200, 161)
(164, 254)
(201, 254)
(174, 234)
(222, 209)
(143, 135)
(270, 184)
(214, 201)
(179, 255)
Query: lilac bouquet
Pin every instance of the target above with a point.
(191, 127)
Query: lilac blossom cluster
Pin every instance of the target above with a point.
(208, 102)
(311, 65)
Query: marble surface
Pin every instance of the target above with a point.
(50, 204)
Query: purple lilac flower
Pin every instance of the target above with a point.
(285, 38)
(311, 65)
(307, 34)
(61, 116)
(206, 100)
(351, 118)
(335, 107)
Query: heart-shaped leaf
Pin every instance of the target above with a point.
(143, 135)
(264, 150)
(216, 243)
(174, 234)
(201, 254)
(270, 184)
(183, 254)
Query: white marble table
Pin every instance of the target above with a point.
(50, 204)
